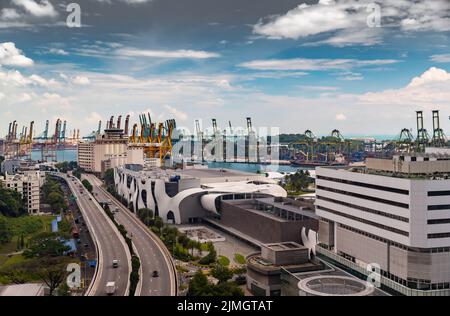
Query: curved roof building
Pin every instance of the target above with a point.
(185, 196)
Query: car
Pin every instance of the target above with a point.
(86, 245)
(110, 288)
(115, 263)
(155, 274)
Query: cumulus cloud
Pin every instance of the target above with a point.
(12, 56)
(431, 88)
(44, 8)
(344, 22)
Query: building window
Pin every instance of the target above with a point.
(365, 185)
(438, 235)
(365, 209)
(439, 207)
(365, 197)
(438, 221)
(438, 193)
(364, 221)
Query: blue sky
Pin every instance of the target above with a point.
(295, 65)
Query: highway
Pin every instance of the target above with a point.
(148, 247)
(110, 245)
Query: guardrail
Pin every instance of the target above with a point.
(158, 241)
(98, 250)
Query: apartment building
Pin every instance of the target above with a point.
(392, 214)
(108, 150)
(28, 184)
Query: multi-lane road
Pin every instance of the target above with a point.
(150, 250)
(109, 243)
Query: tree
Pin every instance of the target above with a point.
(109, 180)
(87, 185)
(211, 257)
(221, 273)
(11, 203)
(158, 223)
(52, 272)
(5, 231)
(298, 181)
(45, 245)
(146, 216)
(199, 285)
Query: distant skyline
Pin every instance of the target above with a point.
(291, 64)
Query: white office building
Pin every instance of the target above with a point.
(391, 214)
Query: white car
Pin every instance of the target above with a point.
(110, 288)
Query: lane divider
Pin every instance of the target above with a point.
(166, 254)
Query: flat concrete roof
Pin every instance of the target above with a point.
(213, 173)
(32, 289)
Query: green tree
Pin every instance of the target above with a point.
(199, 285)
(221, 273)
(158, 223)
(45, 245)
(109, 180)
(87, 185)
(52, 272)
(5, 231)
(211, 257)
(11, 202)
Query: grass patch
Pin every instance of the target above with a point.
(17, 259)
(223, 261)
(239, 258)
(30, 225)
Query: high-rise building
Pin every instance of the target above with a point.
(28, 184)
(108, 150)
(393, 215)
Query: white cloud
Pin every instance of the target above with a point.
(2, 96)
(9, 14)
(42, 9)
(313, 64)
(344, 22)
(182, 53)
(58, 51)
(430, 89)
(441, 58)
(12, 56)
(430, 76)
(81, 80)
(177, 114)
(340, 117)
(93, 118)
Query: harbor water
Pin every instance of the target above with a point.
(71, 155)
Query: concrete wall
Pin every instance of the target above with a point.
(363, 248)
(262, 227)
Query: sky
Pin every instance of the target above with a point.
(363, 67)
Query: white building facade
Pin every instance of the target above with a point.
(181, 198)
(395, 221)
(28, 184)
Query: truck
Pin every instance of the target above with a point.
(110, 288)
(75, 232)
